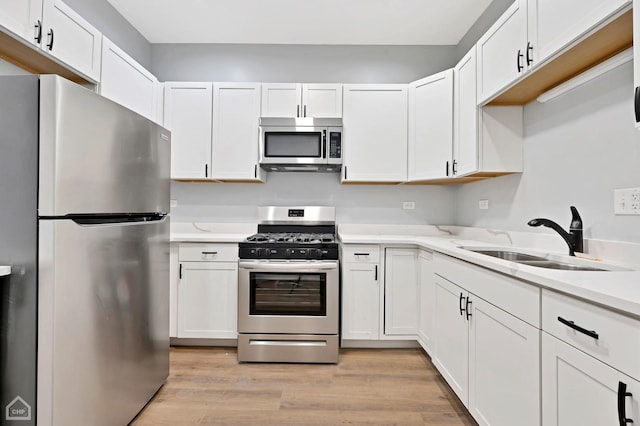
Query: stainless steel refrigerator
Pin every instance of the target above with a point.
(84, 196)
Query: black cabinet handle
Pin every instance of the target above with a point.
(38, 27)
(297, 110)
(467, 309)
(180, 272)
(518, 61)
(529, 53)
(255, 171)
(573, 325)
(361, 254)
(324, 141)
(376, 273)
(454, 168)
(637, 104)
(460, 304)
(447, 168)
(304, 113)
(206, 170)
(622, 404)
(345, 172)
(204, 253)
(50, 44)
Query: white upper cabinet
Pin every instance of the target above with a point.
(375, 133)
(21, 17)
(554, 24)
(125, 81)
(503, 54)
(70, 38)
(431, 126)
(236, 111)
(301, 100)
(188, 115)
(465, 117)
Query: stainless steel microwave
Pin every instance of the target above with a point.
(301, 144)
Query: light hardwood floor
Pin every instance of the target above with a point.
(369, 386)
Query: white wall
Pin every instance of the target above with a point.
(236, 202)
(578, 148)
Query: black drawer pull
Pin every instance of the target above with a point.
(361, 254)
(204, 253)
(622, 404)
(573, 325)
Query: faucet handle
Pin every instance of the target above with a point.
(576, 220)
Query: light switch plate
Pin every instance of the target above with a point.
(626, 201)
(173, 203)
(409, 205)
(483, 204)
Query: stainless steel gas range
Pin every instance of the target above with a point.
(289, 287)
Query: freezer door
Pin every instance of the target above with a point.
(97, 156)
(103, 340)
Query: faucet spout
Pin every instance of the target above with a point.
(573, 238)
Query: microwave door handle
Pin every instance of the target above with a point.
(324, 143)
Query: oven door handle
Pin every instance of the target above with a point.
(279, 267)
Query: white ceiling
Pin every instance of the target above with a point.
(377, 22)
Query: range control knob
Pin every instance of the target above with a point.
(314, 254)
(289, 252)
(267, 253)
(258, 252)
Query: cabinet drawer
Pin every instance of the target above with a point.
(193, 252)
(618, 336)
(361, 254)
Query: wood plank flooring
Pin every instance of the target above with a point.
(207, 386)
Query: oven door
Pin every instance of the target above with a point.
(293, 145)
(288, 297)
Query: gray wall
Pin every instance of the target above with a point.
(235, 202)
(108, 20)
(578, 147)
(298, 63)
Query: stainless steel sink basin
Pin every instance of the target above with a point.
(531, 260)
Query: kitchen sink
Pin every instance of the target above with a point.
(539, 261)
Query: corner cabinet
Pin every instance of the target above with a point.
(236, 113)
(301, 100)
(360, 292)
(375, 133)
(188, 109)
(487, 353)
(427, 301)
(208, 291)
(430, 126)
(125, 81)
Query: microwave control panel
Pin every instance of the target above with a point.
(335, 145)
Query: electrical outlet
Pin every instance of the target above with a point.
(483, 204)
(626, 201)
(173, 203)
(409, 205)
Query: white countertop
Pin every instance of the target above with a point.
(5, 270)
(211, 232)
(615, 289)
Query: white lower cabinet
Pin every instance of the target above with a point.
(401, 293)
(208, 291)
(427, 301)
(360, 293)
(488, 356)
(579, 390)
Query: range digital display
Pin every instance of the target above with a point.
(296, 212)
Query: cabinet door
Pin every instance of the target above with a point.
(375, 133)
(208, 299)
(188, 113)
(465, 138)
(427, 290)
(502, 51)
(555, 24)
(236, 112)
(321, 100)
(430, 126)
(281, 100)
(360, 301)
(452, 337)
(401, 292)
(504, 367)
(582, 391)
(125, 81)
(21, 17)
(71, 39)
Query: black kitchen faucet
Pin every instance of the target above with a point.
(573, 238)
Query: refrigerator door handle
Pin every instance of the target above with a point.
(93, 220)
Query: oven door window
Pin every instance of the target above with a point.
(293, 144)
(288, 293)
